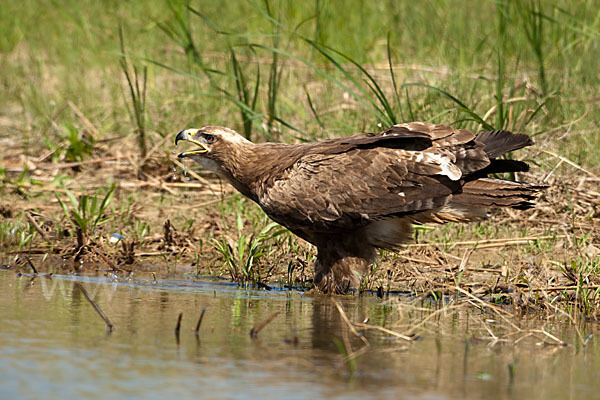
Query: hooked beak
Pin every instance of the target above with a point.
(188, 135)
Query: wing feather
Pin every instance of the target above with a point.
(353, 189)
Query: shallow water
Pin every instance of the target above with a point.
(54, 345)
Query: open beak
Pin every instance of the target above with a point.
(188, 135)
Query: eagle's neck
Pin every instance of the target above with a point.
(249, 166)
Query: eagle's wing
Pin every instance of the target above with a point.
(405, 169)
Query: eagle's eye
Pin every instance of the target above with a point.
(209, 138)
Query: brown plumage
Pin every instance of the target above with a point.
(352, 195)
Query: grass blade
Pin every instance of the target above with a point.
(463, 107)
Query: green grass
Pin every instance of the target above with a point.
(16, 235)
(86, 213)
(269, 69)
(248, 250)
(241, 257)
(136, 82)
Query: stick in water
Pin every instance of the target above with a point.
(178, 327)
(257, 328)
(109, 324)
(199, 321)
(31, 265)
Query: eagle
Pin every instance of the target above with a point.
(352, 195)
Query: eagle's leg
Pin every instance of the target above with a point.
(340, 266)
(340, 276)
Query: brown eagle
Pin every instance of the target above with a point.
(351, 195)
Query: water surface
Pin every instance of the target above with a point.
(55, 346)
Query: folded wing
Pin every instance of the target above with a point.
(351, 182)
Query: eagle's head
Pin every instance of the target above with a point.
(216, 146)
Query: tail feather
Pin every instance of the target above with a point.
(477, 195)
(488, 192)
(501, 142)
(498, 167)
